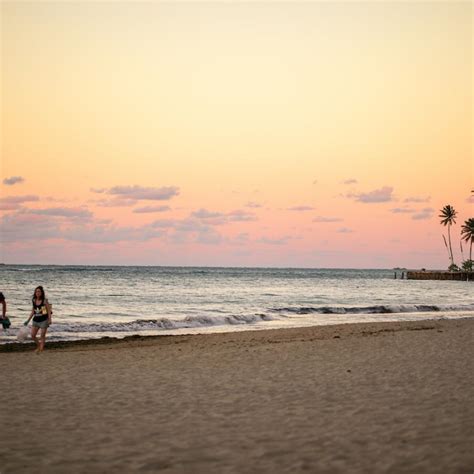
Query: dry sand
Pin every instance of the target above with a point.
(385, 397)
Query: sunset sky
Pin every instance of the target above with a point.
(283, 134)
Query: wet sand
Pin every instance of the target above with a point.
(363, 398)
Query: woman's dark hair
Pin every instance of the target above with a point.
(43, 296)
(2, 298)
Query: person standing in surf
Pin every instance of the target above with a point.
(41, 314)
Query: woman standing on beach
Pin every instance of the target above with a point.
(41, 314)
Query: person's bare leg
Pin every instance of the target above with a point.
(34, 332)
(42, 339)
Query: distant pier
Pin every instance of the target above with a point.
(437, 275)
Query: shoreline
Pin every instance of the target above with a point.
(321, 332)
(366, 397)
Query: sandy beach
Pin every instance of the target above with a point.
(384, 397)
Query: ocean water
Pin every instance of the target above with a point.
(92, 302)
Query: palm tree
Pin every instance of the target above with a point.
(467, 234)
(448, 218)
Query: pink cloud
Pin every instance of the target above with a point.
(384, 194)
(98, 190)
(116, 202)
(240, 216)
(149, 209)
(205, 214)
(327, 219)
(274, 241)
(253, 204)
(300, 208)
(105, 233)
(417, 199)
(11, 203)
(402, 210)
(143, 193)
(219, 218)
(426, 213)
(20, 226)
(77, 212)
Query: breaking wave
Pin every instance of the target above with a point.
(162, 323)
(378, 309)
(246, 319)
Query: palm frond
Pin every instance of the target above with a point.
(467, 230)
(445, 243)
(448, 215)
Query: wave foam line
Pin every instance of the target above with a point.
(378, 309)
(162, 323)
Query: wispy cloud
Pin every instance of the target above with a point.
(9, 206)
(10, 203)
(426, 213)
(219, 218)
(55, 199)
(200, 227)
(21, 226)
(106, 233)
(205, 214)
(240, 216)
(19, 199)
(209, 237)
(274, 241)
(115, 202)
(149, 209)
(300, 208)
(241, 238)
(73, 226)
(327, 219)
(141, 193)
(402, 210)
(165, 223)
(384, 194)
(190, 229)
(77, 212)
(13, 180)
(344, 230)
(350, 181)
(417, 199)
(254, 205)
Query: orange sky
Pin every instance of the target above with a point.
(314, 134)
